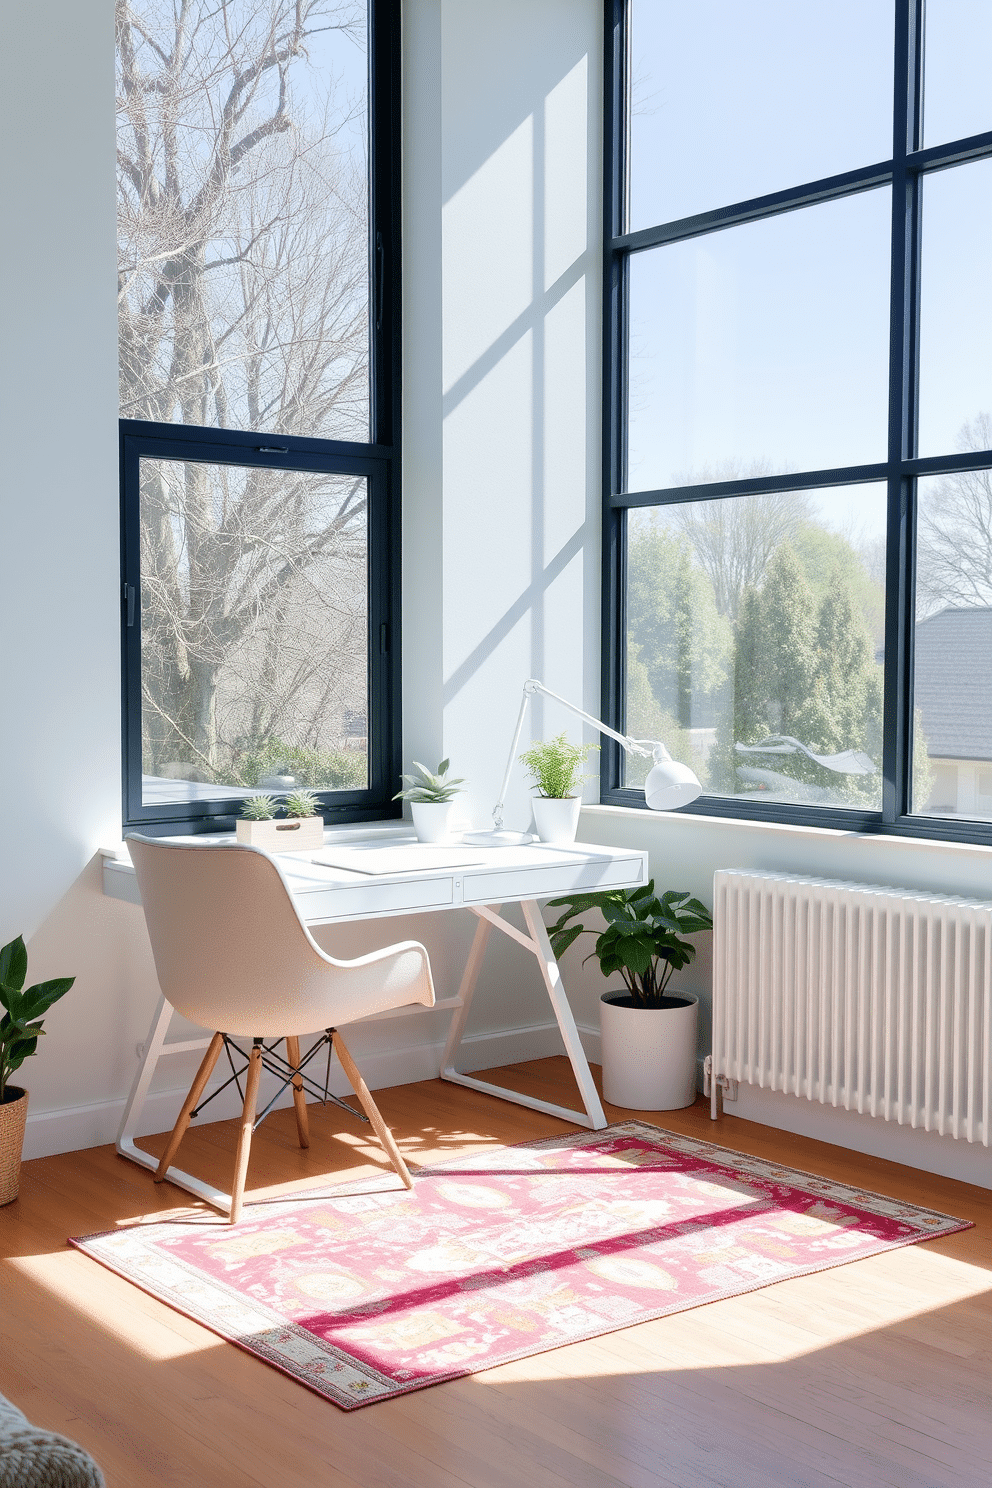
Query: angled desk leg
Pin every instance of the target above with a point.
(155, 1048)
(539, 945)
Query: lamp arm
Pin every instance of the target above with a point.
(650, 748)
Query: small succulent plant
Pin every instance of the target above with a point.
(259, 808)
(302, 803)
(427, 787)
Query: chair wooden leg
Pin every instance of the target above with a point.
(371, 1109)
(189, 1104)
(244, 1136)
(299, 1095)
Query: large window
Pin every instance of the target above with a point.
(258, 294)
(798, 401)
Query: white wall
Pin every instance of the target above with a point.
(501, 307)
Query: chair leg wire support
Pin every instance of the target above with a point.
(285, 1071)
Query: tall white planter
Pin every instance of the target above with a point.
(432, 820)
(557, 817)
(649, 1054)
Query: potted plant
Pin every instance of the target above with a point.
(555, 765)
(431, 797)
(20, 1030)
(302, 830)
(648, 1036)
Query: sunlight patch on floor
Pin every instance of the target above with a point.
(761, 1327)
(149, 1328)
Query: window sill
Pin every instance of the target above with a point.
(791, 831)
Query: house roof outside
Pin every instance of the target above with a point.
(953, 685)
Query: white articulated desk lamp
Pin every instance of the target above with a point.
(669, 783)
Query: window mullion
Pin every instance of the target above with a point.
(903, 401)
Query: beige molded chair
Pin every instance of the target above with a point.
(233, 955)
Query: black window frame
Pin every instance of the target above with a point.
(378, 459)
(905, 172)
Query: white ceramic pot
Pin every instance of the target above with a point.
(283, 834)
(432, 820)
(649, 1054)
(557, 818)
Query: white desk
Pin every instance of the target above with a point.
(496, 877)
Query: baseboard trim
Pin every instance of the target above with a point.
(73, 1128)
(949, 1157)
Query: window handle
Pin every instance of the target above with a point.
(129, 598)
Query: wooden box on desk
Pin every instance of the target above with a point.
(287, 834)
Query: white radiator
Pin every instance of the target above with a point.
(877, 1000)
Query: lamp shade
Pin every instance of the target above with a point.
(670, 785)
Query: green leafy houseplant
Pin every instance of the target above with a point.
(302, 803)
(643, 936)
(556, 764)
(425, 787)
(20, 1027)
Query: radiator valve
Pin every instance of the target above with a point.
(719, 1089)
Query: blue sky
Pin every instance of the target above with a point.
(767, 344)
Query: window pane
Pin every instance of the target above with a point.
(731, 101)
(952, 757)
(762, 349)
(254, 631)
(958, 61)
(243, 215)
(956, 310)
(754, 643)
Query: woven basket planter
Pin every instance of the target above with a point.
(13, 1118)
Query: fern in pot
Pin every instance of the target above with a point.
(556, 768)
(431, 796)
(648, 1032)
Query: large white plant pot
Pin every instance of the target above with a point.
(649, 1054)
(557, 818)
(432, 820)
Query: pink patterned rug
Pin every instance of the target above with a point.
(367, 1291)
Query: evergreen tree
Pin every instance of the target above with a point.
(673, 626)
(805, 669)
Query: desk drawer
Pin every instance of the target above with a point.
(357, 901)
(549, 883)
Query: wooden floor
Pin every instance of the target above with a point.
(876, 1373)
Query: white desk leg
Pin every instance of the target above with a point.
(155, 1048)
(154, 1045)
(540, 946)
(563, 1012)
(469, 978)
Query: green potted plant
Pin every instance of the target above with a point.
(648, 1035)
(20, 1030)
(301, 830)
(556, 767)
(431, 796)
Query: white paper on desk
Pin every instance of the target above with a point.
(408, 857)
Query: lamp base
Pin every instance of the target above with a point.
(498, 839)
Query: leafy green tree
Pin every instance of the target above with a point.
(805, 669)
(848, 687)
(825, 554)
(681, 639)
